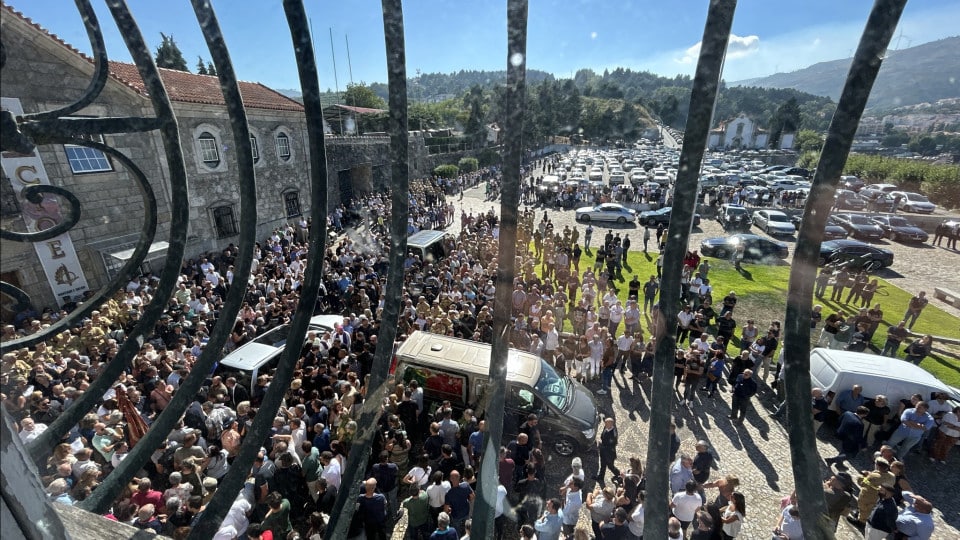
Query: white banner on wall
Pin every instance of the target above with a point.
(57, 255)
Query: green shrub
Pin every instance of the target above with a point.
(447, 171)
(469, 164)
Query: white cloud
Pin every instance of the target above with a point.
(737, 47)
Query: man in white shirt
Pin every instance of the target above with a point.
(331, 469)
(624, 343)
(616, 317)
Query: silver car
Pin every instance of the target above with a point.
(612, 212)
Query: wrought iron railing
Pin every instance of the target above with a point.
(35, 519)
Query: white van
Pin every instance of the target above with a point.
(836, 371)
(262, 355)
(458, 370)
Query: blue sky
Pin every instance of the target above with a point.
(769, 36)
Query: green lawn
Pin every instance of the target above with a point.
(762, 293)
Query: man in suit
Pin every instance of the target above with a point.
(236, 393)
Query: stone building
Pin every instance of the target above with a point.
(43, 73)
(743, 132)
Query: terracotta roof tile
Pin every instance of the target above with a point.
(192, 88)
(181, 86)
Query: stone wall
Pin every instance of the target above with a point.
(44, 75)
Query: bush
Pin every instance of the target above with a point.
(469, 164)
(447, 171)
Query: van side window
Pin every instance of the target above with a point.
(523, 399)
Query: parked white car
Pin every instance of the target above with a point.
(773, 222)
(913, 202)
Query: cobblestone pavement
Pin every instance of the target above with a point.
(757, 451)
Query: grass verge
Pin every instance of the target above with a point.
(762, 294)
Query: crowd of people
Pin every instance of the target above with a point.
(427, 454)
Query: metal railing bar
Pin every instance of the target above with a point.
(703, 95)
(805, 460)
(368, 422)
(100, 71)
(494, 398)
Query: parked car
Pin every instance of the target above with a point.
(756, 248)
(854, 254)
(860, 226)
(607, 212)
(773, 222)
(261, 355)
(733, 217)
(872, 191)
(848, 200)
(831, 231)
(799, 171)
(913, 202)
(656, 217)
(852, 183)
(897, 228)
(786, 184)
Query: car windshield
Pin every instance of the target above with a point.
(277, 338)
(736, 211)
(898, 222)
(779, 217)
(552, 386)
(916, 197)
(860, 220)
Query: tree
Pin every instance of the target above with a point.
(808, 141)
(169, 55)
(201, 67)
(361, 95)
(785, 120)
(211, 69)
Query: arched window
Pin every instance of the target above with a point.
(283, 146)
(209, 151)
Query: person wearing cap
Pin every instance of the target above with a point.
(702, 462)
(837, 494)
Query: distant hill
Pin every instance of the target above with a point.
(433, 87)
(922, 74)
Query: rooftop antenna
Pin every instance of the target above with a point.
(349, 63)
(333, 53)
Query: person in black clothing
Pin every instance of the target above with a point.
(434, 443)
(726, 326)
(519, 450)
(850, 434)
(744, 388)
(373, 511)
(531, 491)
(702, 463)
(327, 496)
(607, 448)
(884, 515)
